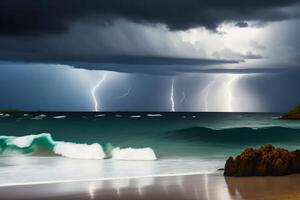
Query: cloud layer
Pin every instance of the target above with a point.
(141, 36)
(31, 17)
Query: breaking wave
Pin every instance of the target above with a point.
(43, 144)
(133, 154)
(79, 151)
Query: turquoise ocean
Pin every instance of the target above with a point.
(42, 147)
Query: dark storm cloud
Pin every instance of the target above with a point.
(150, 60)
(123, 47)
(230, 54)
(175, 66)
(241, 70)
(31, 17)
(242, 24)
(251, 55)
(148, 65)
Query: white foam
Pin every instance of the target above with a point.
(154, 115)
(135, 116)
(37, 117)
(133, 154)
(41, 116)
(60, 117)
(101, 115)
(277, 117)
(79, 151)
(24, 141)
(118, 115)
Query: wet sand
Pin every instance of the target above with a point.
(206, 187)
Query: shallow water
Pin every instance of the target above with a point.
(22, 170)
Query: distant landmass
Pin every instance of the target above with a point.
(293, 114)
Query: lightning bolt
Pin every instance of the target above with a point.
(172, 96)
(206, 91)
(126, 93)
(183, 98)
(94, 89)
(229, 92)
(228, 89)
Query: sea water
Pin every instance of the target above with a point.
(44, 147)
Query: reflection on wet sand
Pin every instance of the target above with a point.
(267, 188)
(198, 187)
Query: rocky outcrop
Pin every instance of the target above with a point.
(265, 161)
(293, 114)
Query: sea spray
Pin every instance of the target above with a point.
(133, 154)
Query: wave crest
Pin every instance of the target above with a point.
(238, 136)
(43, 144)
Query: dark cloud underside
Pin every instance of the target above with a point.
(31, 17)
(148, 65)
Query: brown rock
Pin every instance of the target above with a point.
(293, 114)
(265, 161)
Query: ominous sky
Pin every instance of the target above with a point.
(150, 55)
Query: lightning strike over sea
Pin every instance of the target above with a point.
(93, 92)
(172, 96)
(206, 91)
(229, 91)
(183, 98)
(126, 93)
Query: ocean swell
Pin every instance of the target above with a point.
(43, 144)
(236, 136)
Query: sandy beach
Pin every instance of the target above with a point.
(206, 187)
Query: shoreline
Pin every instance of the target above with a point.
(202, 186)
(106, 179)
